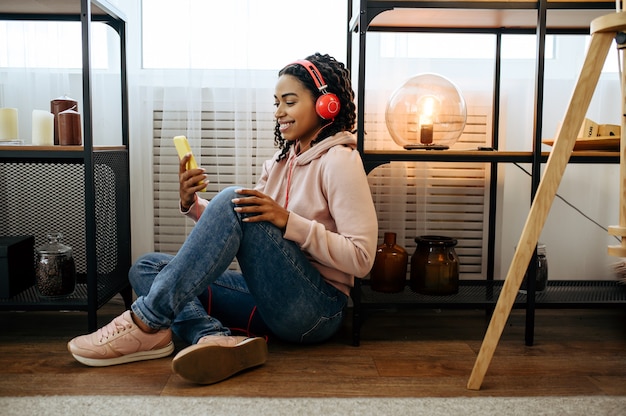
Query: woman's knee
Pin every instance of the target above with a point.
(226, 195)
(144, 270)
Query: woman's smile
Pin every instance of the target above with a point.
(282, 126)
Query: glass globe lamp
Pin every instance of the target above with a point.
(427, 112)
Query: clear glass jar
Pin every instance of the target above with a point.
(55, 270)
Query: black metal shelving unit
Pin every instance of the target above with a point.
(495, 17)
(95, 197)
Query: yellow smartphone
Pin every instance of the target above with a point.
(182, 147)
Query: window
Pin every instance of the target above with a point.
(26, 44)
(514, 47)
(448, 45)
(240, 34)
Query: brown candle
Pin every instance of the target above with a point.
(69, 128)
(57, 106)
(426, 134)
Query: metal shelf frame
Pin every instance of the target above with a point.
(529, 17)
(85, 12)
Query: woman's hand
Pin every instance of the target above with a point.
(190, 181)
(261, 208)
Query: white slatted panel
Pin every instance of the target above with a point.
(230, 145)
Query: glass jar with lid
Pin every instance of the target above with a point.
(55, 270)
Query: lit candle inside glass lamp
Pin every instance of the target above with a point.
(43, 128)
(8, 124)
(426, 121)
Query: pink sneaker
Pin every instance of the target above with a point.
(119, 342)
(216, 357)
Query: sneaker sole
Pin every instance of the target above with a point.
(208, 364)
(129, 358)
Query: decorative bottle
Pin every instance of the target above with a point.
(55, 270)
(390, 266)
(435, 266)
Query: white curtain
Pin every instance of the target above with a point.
(227, 114)
(189, 98)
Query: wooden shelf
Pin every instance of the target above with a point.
(475, 14)
(53, 153)
(380, 157)
(57, 7)
(29, 148)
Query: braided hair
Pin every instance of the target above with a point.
(337, 77)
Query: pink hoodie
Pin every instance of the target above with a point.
(332, 216)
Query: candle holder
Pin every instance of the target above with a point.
(9, 126)
(427, 112)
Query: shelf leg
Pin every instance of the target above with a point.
(620, 231)
(356, 313)
(127, 296)
(555, 167)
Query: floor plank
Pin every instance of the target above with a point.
(405, 353)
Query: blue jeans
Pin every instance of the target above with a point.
(277, 281)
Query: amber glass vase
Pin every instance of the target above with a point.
(390, 266)
(435, 266)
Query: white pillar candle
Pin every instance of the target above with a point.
(43, 128)
(8, 124)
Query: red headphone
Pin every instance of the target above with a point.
(327, 105)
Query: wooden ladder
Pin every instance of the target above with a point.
(603, 30)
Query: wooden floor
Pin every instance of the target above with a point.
(416, 353)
